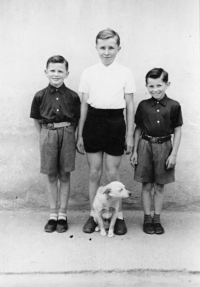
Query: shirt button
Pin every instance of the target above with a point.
(158, 110)
(57, 110)
(158, 122)
(157, 102)
(56, 98)
(56, 90)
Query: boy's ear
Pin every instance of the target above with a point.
(67, 74)
(168, 84)
(45, 71)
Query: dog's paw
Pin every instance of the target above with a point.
(97, 228)
(111, 233)
(103, 233)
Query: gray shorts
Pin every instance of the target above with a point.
(57, 150)
(151, 165)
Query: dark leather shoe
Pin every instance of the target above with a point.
(50, 226)
(158, 229)
(90, 225)
(120, 227)
(62, 225)
(148, 228)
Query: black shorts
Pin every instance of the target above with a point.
(104, 130)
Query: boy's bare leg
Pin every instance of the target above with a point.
(158, 204)
(158, 197)
(52, 181)
(112, 170)
(64, 179)
(146, 197)
(95, 162)
(52, 186)
(64, 191)
(146, 203)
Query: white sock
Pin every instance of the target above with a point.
(62, 215)
(120, 215)
(53, 216)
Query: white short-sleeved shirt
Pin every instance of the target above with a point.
(106, 85)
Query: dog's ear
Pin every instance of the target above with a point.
(107, 191)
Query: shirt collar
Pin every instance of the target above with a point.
(110, 67)
(163, 101)
(61, 89)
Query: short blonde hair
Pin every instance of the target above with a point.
(108, 33)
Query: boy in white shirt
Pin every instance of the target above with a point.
(107, 88)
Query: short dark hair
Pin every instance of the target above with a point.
(106, 34)
(57, 59)
(157, 73)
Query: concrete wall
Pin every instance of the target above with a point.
(154, 33)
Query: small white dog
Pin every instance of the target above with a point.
(106, 206)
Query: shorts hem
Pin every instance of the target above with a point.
(56, 171)
(102, 150)
(141, 180)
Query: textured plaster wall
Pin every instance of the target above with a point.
(154, 33)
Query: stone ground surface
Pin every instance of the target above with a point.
(31, 257)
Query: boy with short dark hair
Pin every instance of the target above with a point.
(56, 111)
(107, 88)
(153, 156)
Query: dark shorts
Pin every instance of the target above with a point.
(104, 130)
(57, 150)
(151, 165)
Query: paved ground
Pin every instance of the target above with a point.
(31, 257)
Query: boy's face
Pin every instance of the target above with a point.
(107, 50)
(56, 73)
(157, 88)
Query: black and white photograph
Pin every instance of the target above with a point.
(99, 143)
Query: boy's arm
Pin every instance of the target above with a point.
(37, 125)
(84, 110)
(130, 113)
(171, 161)
(137, 135)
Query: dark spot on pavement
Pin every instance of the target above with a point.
(71, 236)
(90, 239)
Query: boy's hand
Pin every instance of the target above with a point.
(129, 144)
(80, 145)
(133, 159)
(171, 162)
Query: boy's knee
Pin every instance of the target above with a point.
(112, 174)
(158, 187)
(94, 175)
(147, 186)
(64, 177)
(52, 178)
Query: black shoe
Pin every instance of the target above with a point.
(62, 225)
(50, 226)
(158, 229)
(90, 225)
(120, 227)
(148, 228)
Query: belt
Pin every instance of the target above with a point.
(53, 126)
(159, 140)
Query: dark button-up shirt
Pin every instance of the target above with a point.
(158, 118)
(54, 105)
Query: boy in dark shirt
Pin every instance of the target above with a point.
(153, 156)
(56, 111)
